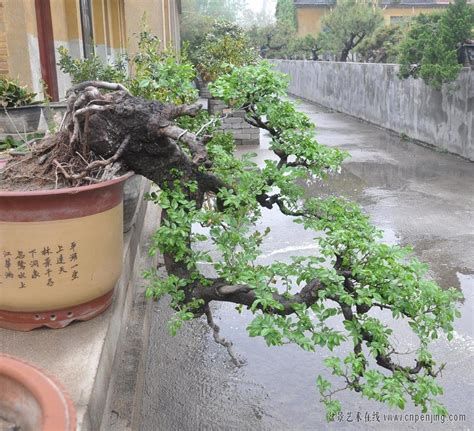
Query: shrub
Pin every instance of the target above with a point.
(91, 69)
(12, 94)
(224, 47)
(382, 46)
(161, 74)
(430, 49)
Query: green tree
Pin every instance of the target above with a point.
(430, 49)
(225, 46)
(198, 17)
(272, 41)
(285, 13)
(347, 25)
(352, 275)
(301, 48)
(382, 45)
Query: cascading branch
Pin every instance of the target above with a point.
(352, 275)
(329, 300)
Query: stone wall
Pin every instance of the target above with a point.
(234, 122)
(373, 92)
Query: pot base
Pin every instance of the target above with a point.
(55, 319)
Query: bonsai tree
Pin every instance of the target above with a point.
(281, 41)
(382, 45)
(224, 47)
(203, 184)
(430, 49)
(347, 25)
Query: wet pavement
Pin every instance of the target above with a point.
(418, 196)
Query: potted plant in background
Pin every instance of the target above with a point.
(225, 47)
(19, 114)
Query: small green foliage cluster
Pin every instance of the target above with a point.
(430, 49)
(10, 143)
(91, 69)
(356, 271)
(161, 74)
(13, 94)
(157, 73)
(225, 46)
(382, 45)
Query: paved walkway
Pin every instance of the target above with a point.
(419, 197)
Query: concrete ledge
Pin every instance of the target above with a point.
(126, 388)
(81, 355)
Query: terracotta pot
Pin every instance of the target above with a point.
(32, 401)
(60, 254)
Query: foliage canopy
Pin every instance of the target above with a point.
(280, 40)
(430, 49)
(226, 45)
(157, 73)
(285, 13)
(382, 45)
(301, 302)
(13, 94)
(347, 25)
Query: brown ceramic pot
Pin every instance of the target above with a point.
(60, 254)
(30, 400)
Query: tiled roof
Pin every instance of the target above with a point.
(381, 2)
(313, 2)
(412, 2)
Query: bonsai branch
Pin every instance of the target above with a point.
(221, 340)
(97, 84)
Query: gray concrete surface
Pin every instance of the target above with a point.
(417, 196)
(124, 398)
(373, 92)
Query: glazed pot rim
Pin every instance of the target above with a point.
(66, 191)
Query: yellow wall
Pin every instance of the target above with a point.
(116, 24)
(309, 19)
(20, 31)
(65, 19)
(3, 43)
(408, 12)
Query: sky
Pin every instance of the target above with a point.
(256, 5)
